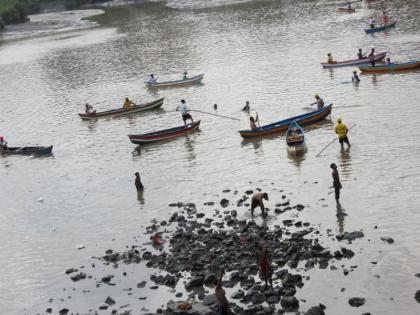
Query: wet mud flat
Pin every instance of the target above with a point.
(196, 242)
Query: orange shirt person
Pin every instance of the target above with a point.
(128, 104)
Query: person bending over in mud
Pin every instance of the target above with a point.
(264, 263)
(257, 200)
(223, 307)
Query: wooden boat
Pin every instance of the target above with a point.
(347, 10)
(395, 66)
(27, 150)
(164, 134)
(381, 28)
(282, 125)
(352, 62)
(295, 139)
(122, 111)
(192, 80)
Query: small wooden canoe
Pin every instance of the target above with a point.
(295, 139)
(282, 125)
(396, 66)
(27, 150)
(164, 134)
(189, 81)
(122, 111)
(381, 28)
(352, 62)
(347, 10)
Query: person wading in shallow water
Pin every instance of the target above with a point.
(257, 200)
(223, 307)
(336, 181)
(264, 263)
(138, 183)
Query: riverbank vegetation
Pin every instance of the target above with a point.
(17, 11)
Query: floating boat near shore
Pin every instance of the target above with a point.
(164, 134)
(122, 111)
(295, 139)
(395, 66)
(282, 125)
(352, 62)
(189, 81)
(27, 150)
(347, 10)
(381, 28)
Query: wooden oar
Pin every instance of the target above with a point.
(335, 139)
(200, 111)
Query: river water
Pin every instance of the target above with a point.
(267, 52)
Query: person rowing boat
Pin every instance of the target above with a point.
(330, 59)
(3, 144)
(184, 112)
(360, 54)
(371, 22)
(319, 102)
(89, 109)
(384, 18)
(253, 122)
(128, 104)
(185, 77)
(152, 79)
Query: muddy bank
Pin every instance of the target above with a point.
(190, 249)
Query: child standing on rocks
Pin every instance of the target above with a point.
(221, 296)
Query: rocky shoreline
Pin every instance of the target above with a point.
(199, 243)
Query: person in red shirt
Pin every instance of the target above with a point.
(221, 296)
(264, 263)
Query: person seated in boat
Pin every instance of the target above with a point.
(3, 144)
(152, 79)
(330, 59)
(184, 112)
(388, 61)
(360, 54)
(185, 77)
(372, 57)
(128, 104)
(295, 135)
(89, 109)
(384, 18)
(253, 122)
(319, 102)
(349, 5)
(246, 107)
(355, 78)
(372, 22)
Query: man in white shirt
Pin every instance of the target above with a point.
(152, 79)
(184, 112)
(371, 22)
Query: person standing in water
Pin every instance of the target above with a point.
(257, 201)
(372, 57)
(246, 108)
(221, 296)
(355, 78)
(336, 181)
(138, 183)
(264, 263)
(342, 131)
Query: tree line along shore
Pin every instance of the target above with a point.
(17, 11)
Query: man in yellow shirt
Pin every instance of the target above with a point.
(341, 130)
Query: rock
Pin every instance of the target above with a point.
(178, 295)
(289, 303)
(196, 281)
(350, 236)
(273, 299)
(249, 192)
(141, 284)
(63, 311)
(258, 298)
(237, 295)
(103, 307)
(109, 301)
(417, 296)
(210, 300)
(107, 279)
(49, 310)
(224, 202)
(300, 207)
(389, 240)
(79, 276)
(70, 270)
(210, 279)
(356, 301)
(315, 310)
(209, 203)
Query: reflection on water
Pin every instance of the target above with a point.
(341, 214)
(256, 51)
